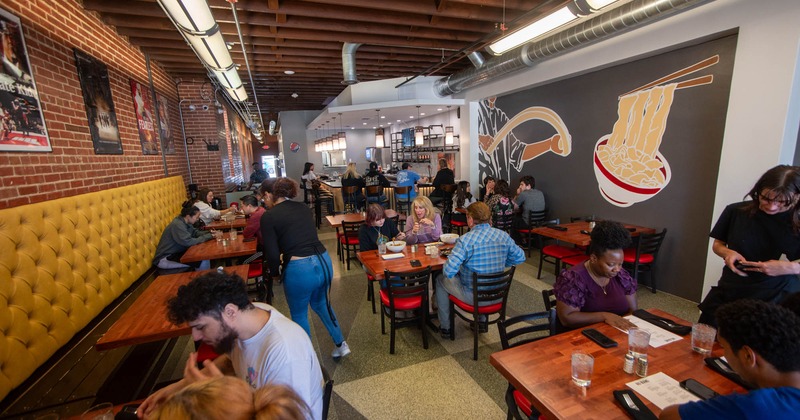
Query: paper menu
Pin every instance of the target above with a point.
(661, 390)
(392, 256)
(658, 335)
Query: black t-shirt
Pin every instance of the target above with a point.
(288, 229)
(368, 235)
(443, 177)
(758, 237)
(376, 178)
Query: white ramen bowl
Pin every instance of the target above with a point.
(619, 192)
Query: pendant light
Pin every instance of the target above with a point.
(419, 137)
(342, 135)
(379, 142)
(448, 131)
(335, 137)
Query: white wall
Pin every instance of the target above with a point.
(764, 110)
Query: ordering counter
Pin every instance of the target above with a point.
(335, 188)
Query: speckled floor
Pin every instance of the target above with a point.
(440, 382)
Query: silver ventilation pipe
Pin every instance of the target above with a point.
(477, 59)
(349, 63)
(616, 21)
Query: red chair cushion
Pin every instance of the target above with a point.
(370, 278)
(575, 259)
(559, 251)
(630, 257)
(524, 230)
(205, 352)
(348, 241)
(488, 309)
(458, 223)
(401, 304)
(254, 270)
(522, 403)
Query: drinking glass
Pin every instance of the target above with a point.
(218, 235)
(703, 338)
(382, 248)
(638, 340)
(233, 234)
(99, 412)
(582, 367)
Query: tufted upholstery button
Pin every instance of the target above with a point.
(68, 259)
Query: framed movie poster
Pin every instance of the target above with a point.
(162, 105)
(96, 89)
(22, 126)
(145, 119)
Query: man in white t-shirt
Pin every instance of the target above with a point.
(256, 342)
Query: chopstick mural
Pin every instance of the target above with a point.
(627, 163)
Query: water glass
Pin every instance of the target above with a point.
(218, 235)
(233, 234)
(582, 367)
(99, 412)
(381, 248)
(638, 341)
(703, 338)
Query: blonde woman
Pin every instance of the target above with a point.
(352, 178)
(424, 225)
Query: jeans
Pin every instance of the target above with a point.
(306, 281)
(168, 264)
(444, 288)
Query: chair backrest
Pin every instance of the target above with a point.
(549, 298)
(536, 218)
(488, 289)
(374, 190)
(650, 243)
(403, 285)
(402, 193)
(326, 393)
(574, 219)
(449, 188)
(526, 328)
(503, 216)
(393, 216)
(350, 190)
(350, 229)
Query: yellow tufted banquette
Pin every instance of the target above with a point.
(64, 261)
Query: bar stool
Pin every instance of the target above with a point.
(375, 191)
(447, 205)
(402, 198)
(350, 196)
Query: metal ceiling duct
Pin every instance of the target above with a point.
(476, 58)
(349, 63)
(616, 21)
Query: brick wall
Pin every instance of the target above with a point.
(52, 29)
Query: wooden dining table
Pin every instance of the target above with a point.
(237, 223)
(375, 265)
(574, 235)
(337, 219)
(146, 319)
(214, 250)
(541, 371)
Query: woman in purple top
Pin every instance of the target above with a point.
(599, 290)
(424, 224)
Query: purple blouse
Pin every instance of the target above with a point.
(575, 287)
(426, 233)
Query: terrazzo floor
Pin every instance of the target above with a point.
(441, 382)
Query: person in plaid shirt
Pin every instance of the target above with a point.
(482, 250)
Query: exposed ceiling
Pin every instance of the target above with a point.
(401, 38)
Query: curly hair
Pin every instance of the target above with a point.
(423, 202)
(528, 180)
(207, 295)
(279, 402)
(784, 182)
(608, 235)
(769, 329)
(221, 398)
(501, 187)
(284, 188)
(267, 185)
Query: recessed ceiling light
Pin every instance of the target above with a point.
(399, 121)
(295, 95)
(438, 109)
(411, 116)
(421, 113)
(290, 72)
(383, 116)
(364, 123)
(389, 123)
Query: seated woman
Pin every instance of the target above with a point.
(462, 198)
(502, 204)
(599, 290)
(375, 225)
(203, 203)
(425, 225)
(352, 178)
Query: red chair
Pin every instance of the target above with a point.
(404, 292)
(527, 328)
(259, 271)
(642, 258)
(574, 260)
(489, 297)
(460, 226)
(554, 254)
(349, 240)
(535, 219)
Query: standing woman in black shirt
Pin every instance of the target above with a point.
(752, 236)
(288, 231)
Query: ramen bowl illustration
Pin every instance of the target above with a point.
(624, 181)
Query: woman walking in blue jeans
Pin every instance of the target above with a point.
(288, 230)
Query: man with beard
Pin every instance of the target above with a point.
(256, 342)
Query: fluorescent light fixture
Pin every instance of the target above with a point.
(228, 78)
(211, 49)
(238, 94)
(533, 30)
(448, 135)
(191, 15)
(599, 4)
(379, 138)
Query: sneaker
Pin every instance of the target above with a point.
(341, 351)
(445, 333)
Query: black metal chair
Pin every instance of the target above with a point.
(489, 297)
(402, 199)
(446, 205)
(520, 330)
(405, 292)
(327, 392)
(642, 258)
(535, 219)
(259, 271)
(319, 200)
(349, 240)
(374, 194)
(554, 253)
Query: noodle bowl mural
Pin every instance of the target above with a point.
(627, 163)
